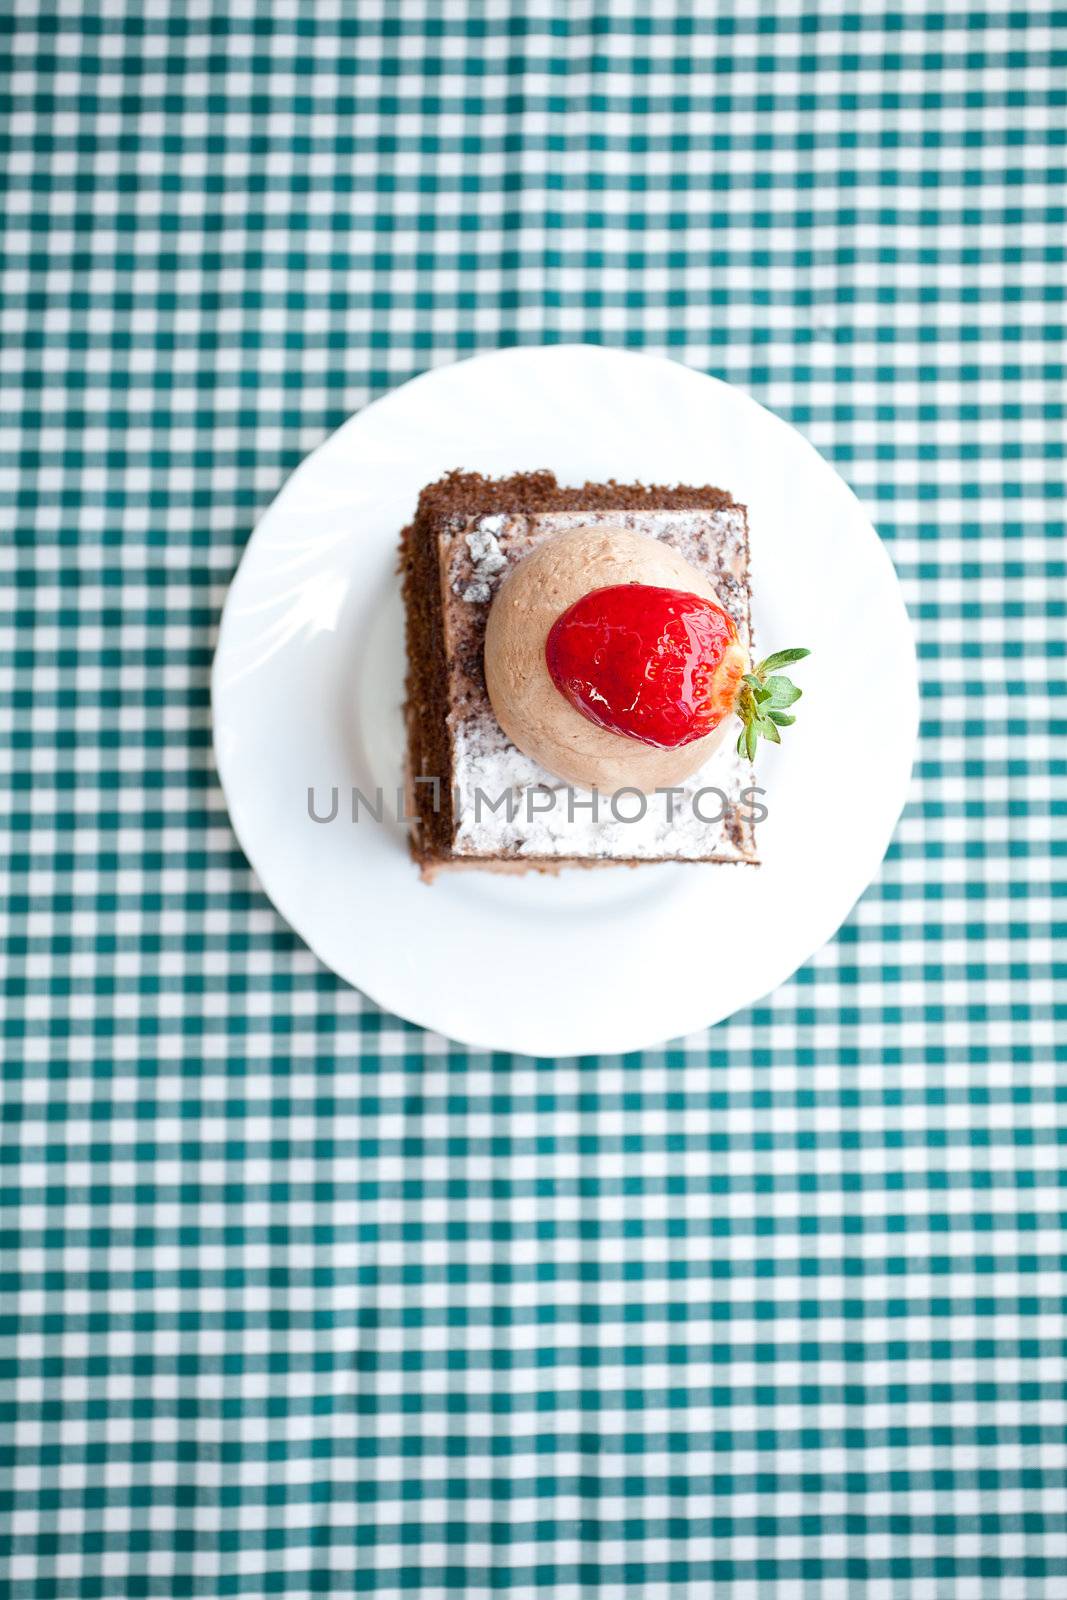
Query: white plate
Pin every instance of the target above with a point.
(308, 682)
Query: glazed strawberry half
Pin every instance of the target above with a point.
(665, 667)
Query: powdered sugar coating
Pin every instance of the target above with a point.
(686, 825)
(487, 560)
(486, 766)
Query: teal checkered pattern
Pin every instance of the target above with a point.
(295, 1298)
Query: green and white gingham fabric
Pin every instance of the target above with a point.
(296, 1299)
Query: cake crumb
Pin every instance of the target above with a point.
(487, 559)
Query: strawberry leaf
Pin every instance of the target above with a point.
(761, 701)
(781, 658)
(781, 692)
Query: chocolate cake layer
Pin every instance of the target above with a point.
(480, 801)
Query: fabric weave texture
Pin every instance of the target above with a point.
(296, 1299)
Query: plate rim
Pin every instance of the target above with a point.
(278, 896)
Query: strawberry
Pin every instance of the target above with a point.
(664, 667)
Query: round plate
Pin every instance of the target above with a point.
(308, 683)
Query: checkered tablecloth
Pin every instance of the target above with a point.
(296, 1299)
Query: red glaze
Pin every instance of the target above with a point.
(657, 665)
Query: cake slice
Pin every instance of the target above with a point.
(477, 800)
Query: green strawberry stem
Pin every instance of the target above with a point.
(762, 700)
